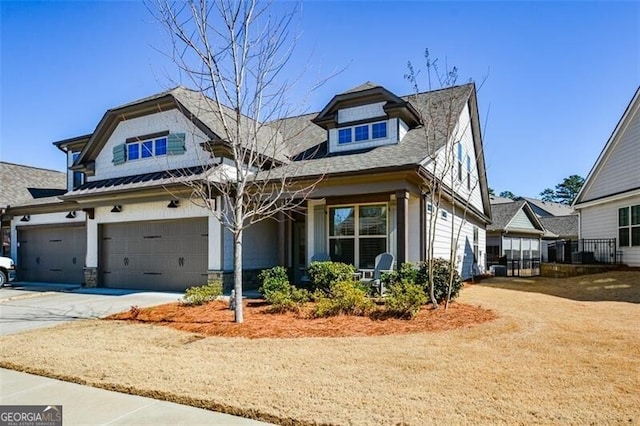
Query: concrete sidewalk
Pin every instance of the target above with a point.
(85, 405)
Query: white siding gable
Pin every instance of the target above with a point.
(172, 121)
(521, 221)
(446, 163)
(618, 170)
(393, 125)
(362, 112)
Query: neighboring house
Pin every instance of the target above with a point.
(548, 208)
(609, 201)
(515, 235)
(26, 185)
(367, 146)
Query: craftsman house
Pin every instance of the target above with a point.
(374, 154)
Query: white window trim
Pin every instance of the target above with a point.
(140, 148)
(369, 134)
(356, 228)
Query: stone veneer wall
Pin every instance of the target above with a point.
(90, 277)
(560, 270)
(249, 279)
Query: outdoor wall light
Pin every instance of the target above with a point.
(173, 204)
(116, 209)
(71, 215)
(25, 218)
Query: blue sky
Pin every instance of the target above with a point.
(558, 74)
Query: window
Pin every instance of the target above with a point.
(133, 151)
(78, 177)
(161, 146)
(460, 161)
(362, 133)
(429, 208)
(344, 135)
(468, 173)
(443, 214)
(475, 242)
(379, 130)
(629, 226)
(357, 234)
(146, 148)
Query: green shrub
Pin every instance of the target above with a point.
(273, 280)
(345, 297)
(202, 294)
(441, 271)
(404, 299)
(324, 274)
(407, 272)
(282, 296)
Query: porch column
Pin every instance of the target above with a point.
(282, 239)
(423, 228)
(402, 222)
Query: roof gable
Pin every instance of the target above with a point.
(367, 93)
(199, 109)
(516, 216)
(615, 171)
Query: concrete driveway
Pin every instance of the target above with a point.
(25, 306)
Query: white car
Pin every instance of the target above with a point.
(7, 270)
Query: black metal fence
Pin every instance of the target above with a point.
(585, 252)
(503, 266)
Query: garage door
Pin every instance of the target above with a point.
(158, 255)
(52, 254)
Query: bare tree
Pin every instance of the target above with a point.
(233, 53)
(446, 174)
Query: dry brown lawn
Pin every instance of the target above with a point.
(559, 352)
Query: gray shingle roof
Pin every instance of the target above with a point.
(306, 137)
(549, 208)
(268, 142)
(20, 184)
(563, 226)
(365, 86)
(501, 214)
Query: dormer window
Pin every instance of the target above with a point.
(344, 135)
(362, 132)
(379, 130)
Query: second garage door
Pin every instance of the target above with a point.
(158, 255)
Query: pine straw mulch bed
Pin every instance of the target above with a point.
(215, 319)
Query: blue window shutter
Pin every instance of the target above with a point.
(119, 154)
(175, 144)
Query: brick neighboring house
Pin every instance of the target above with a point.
(134, 227)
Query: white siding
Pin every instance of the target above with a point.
(521, 221)
(618, 171)
(601, 221)
(361, 112)
(172, 121)
(447, 163)
(462, 237)
(392, 138)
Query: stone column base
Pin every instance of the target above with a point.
(90, 277)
